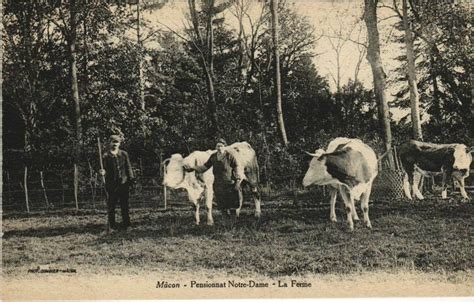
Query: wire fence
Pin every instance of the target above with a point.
(53, 189)
(28, 190)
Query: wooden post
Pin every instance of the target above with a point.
(161, 164)
(25, 186)
(76, 185)
(141, 165)
(107, 228)
(9, 186)
(44, 190)
(164, 187)
(91, 183)
(62, 184)
(165, 197)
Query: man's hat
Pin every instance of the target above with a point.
(116, 138)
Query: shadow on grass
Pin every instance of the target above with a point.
(45, 232)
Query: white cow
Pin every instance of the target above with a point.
(350, 166)
(195, 184)
(233, 166)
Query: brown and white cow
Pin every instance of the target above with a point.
(349, 166)
(195, 184)
(233, 166)
(419, 158)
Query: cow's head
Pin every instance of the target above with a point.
(462, 159)
(175, 173)
(317, 172)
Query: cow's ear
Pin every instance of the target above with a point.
(470, 149)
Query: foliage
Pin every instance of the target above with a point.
(444, 57)
(39, 113)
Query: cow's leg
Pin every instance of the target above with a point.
(256, 199)
(416, 182)
(196, 211)
(444, 186)
(364, 204)
(209, 195)
(462, 188)
(348, 202)
(354, 212)
(241, 201)
(406, 185)
(460, 180)
(332, 201)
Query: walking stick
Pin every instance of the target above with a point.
(107, 230)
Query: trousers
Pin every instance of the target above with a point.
(120, 194)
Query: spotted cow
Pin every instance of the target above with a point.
(419, 158)
(348, 166)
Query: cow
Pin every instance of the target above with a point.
(195, 184)
(348, 166)
(233, 166)
(419, 158)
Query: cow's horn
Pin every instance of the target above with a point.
(311, 154)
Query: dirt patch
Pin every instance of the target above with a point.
(144, 286)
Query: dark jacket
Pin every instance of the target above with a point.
(222, 169)
(118, 169)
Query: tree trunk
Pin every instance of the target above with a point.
(205, 47)
(373, 56)
(436, 105)
(275, 33)
(73, 77)
(141, 80)
(414, 96)
(212, 105)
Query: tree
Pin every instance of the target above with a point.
(379, 76)
(22, 65)
(204, 44)
(140, 7)
(414, 96)
(71, 34)
(276, 54)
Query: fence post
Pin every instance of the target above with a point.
(62, 185)
(44, 190)
(76, 184)
(165, 199)
(91, 182)
(141, 165)
(26, 189)
(9, 187)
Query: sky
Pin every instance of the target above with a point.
(330, 19)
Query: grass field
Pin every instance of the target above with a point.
(429, 236)
(433, 238)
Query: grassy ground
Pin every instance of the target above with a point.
(432, 236)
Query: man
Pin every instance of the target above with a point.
(118, 178)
